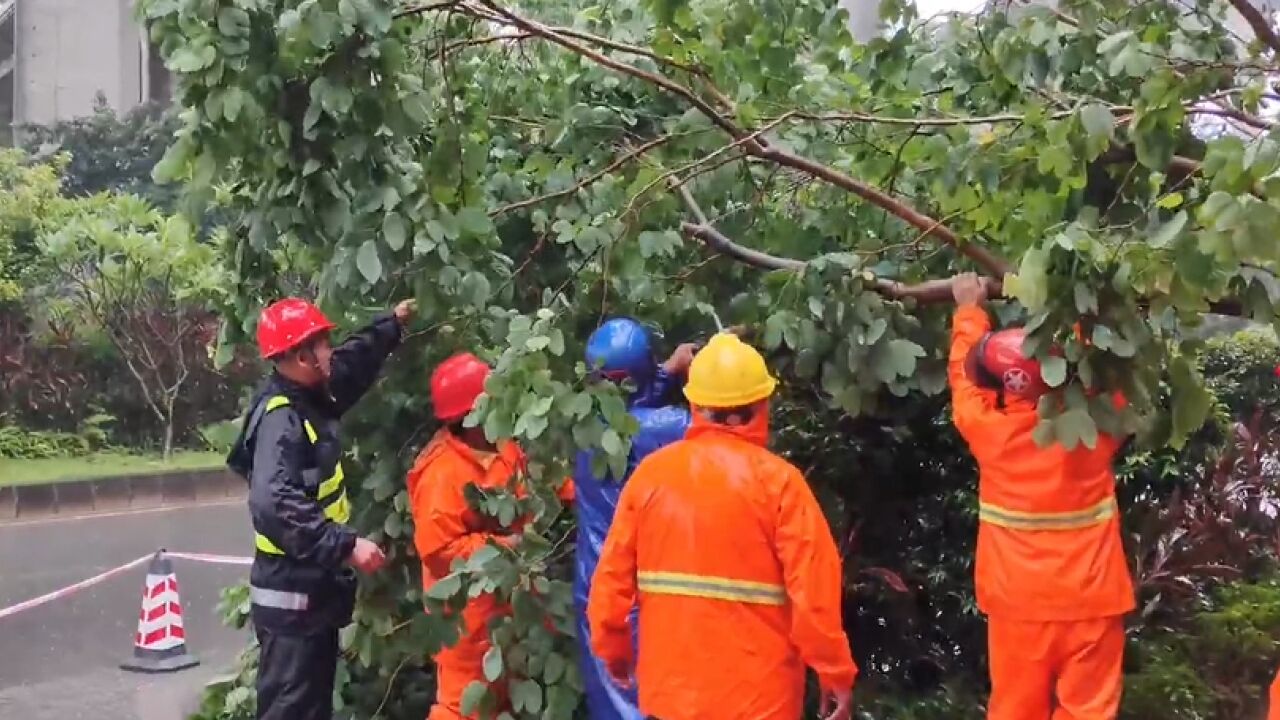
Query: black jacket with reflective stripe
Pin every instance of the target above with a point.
(284, 469)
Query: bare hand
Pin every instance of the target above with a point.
(678, 363)
(837, 705)
(969, 289)
(404, 311)
(367, 557)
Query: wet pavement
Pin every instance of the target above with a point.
(59, 661)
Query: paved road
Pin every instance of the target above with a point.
(58, 661)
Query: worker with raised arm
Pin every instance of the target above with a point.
(446, 528)
(1051, 573)
(620, 351)
(302, 587)
(725, 550)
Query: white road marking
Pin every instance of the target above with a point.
(120, 513)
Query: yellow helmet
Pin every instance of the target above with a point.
(728, 373)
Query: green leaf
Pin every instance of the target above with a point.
(1097, 120)
(610, 442)
(1076, 427)
(476, 289)
(1053, 370)
(579, 406)
(445, 588)
(475, 221)
(233, 22)
(1191, 400)
(232, 101)
(368, 263)
(472, 697)
(897, 359)
(554, 669)
(394, 231)
(493, 663)
(527, 695)
(191, 59)
(393, 525)
(1170, 231)
(1170, 201)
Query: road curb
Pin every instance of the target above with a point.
(143, 490)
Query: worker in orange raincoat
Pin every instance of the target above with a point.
(445, 526)
(1274, 712)
(736, 575)
(1051, 570)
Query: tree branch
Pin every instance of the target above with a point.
(669, 85)
(585, 181)
(1258, 22)
(932, 291)
(993, 263)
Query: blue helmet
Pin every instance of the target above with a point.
(621, 348)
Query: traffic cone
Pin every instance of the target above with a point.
(161, 642)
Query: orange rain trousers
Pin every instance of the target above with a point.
(445, 529)
(1274, 712)
(737, 577)
(1049, 545)
(1055, 670)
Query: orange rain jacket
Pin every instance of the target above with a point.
(445, 529)
(1274, 712)
(738, 581)
(1049, 544)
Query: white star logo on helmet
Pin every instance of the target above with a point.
(1016, 380)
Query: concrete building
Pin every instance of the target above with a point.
(57, 56)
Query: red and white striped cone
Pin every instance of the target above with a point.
(161, 642)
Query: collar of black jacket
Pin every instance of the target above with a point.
(312, 398)
(310, 402)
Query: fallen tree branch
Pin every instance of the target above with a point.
(929, 292)
(992, 263)
(667, 84)
(585, 181)
(1258, 22)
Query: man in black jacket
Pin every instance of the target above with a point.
(302, 585)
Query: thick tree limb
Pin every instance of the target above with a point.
(991, 262)
(1258, 22)
(929, 292)
(667, 84)
(932, 291)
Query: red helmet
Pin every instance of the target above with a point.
(997, 362)
(455, 385)
(288, 323)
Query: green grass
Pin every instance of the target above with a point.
(100, 465)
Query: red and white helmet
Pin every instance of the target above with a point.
(997, 362)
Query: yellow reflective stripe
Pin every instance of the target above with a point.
(337, 511)
(333, 484)
(340, 511)
(279, 401)
(261, 542)
(1072, 520)
(709, 586)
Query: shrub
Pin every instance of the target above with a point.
(19, 444)
(1217, 668)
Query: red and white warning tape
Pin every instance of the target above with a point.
(89, 582)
